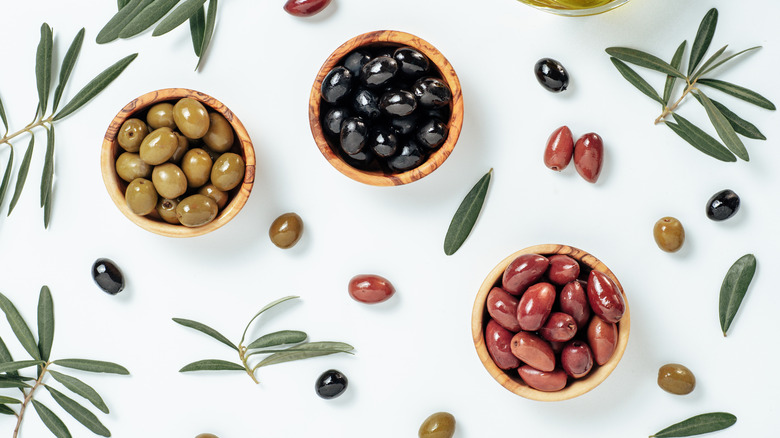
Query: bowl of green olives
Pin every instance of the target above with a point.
(550, 322)
(386, 108)
(178, 162)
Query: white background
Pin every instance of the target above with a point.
(414, 353)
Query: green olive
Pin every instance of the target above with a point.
(669, 234)
(196, 164)
(220, 134)
(196, 210)
(166, 208)
(182, 149)
(159, 146)
(228, 171)
(141, 196)
(676, 379)
(206, 435)
(161, 116)
(169, 180)
(212, 153)
(130, 166)
(217, 194)
(286, 230)
(131, 134)
(438, 425)
(191, 117)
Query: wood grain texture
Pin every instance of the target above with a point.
(436, 159)
(116, 186)
(509, 379)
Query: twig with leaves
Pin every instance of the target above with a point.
(40, 351)
(727, 124)
(281, 346)
(43, 75)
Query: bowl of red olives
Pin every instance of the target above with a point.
(177, 162)
(386, 108)
(550, 322)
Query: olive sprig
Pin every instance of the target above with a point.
(280, 346)
(727, 124)
(43, 75)
(40, 351)
(135, 16)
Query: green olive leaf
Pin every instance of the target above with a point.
(147, 17)
(67, 67)
(7, 383)
(182, 13)
(708, 62)
(9, 400)
(670, 80)
(80, 413)
(703, 39)
(466, 215)
(734, 288)
(5, 410)
(80, 388)
(740, 125)
(203, 328)
(212, 365)
(700, 139)
(92, 366)
(43, 66)
(270, 305)
(121, 4)
(51, 420)
(724, 60)
(643, 59)
(305, 351)
(211, 19)
(7, 367)
(738, 92)
(198, 29)
(47, 177)
(111, 30)
(3, 117)
(7, 176)
(45, 323)
(21, 177)
(634, 79)
(698, 425)
(20, 329)
(723, 127)
(278, 338)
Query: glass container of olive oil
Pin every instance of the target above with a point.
(575, 8)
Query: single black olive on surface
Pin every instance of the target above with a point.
(331, 384)
(410, 61)
(551, 74)
(398, 103)
(432, 92)
(337, 84)
(409, 157)
(366, 104)
(722, 205)
(334, 120)
(378, 71)
(108, 276)
(432, 134)
(353, 136)
(383, 142)
(355, 61)
(404, 125)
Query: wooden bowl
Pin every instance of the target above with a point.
(378, 178)
(510, 379)
(116, 186)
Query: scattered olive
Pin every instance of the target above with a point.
(722, 205)
(370, 289)
(206, 435)
(676, 379)
(438, 425)
(286, 230)
(108, 276)
(331, 384)
(305, 8)
(161, 116)
(559, 150)
(551, 75)
(131, 134)
(141, 197)
(337, 84)
(669, 234)
(589, 156)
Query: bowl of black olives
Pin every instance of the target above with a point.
(386, 108)
(178, 162)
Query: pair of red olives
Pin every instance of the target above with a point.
(588, 153)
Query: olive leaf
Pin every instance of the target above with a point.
(703, 39)
(6, 176)
(80, 388)
(6, 367)
(10, 383)
(5, 410)
(670, 79)
(92, 366)
(466, 215)
(278, 338)
(198, 29)
(45, 323)
(740, 125)
(21, 177)
(3, 116)
(708, 62)
(738, 92)
(203, 328)
(634, 79)
(306, 351)
(47, 178)
(643, 59)
(111, 30)
(724, 60)
(43, 67)
(9, 400)
(697, 425)
(19, 327)
(211, 18)
(211, 365)
(121, 4)
(68, 62)
(182, 13)
(723, 127)
(80, 413)
(268, 306)
(734, 288)
(700, 139)
(147, 17)
(51, 420)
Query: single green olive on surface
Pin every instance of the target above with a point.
(219, 136)
(169, 180)
(669, 234)
(141, 196)
(161, 116)
(131, 134)
(438, 425)
(206, 435)
(228, 171)
(159, 146)
(130, 166)
(191, 118)
(215, 193)
(676, 379)
(286, 230)
(196, 210)
(196, 164)
(166, 208)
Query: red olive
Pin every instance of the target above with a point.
(604, 297)
(602, 337)
(535, 306)
(563, 269)
(576, 359)
(559, 149)
(523, 272)
(574, 301)
(498, 342)
(533, 350)
(541, 380)
(588, 156)
(370, 289)
(560, 327)
(502, 307)
(305, 8)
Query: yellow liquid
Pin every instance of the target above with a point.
(568, 4)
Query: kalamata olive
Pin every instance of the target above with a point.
(432, 92)
(533, 350)
(286, 230)
(331, 384)
(404, 125)
(336, 84)
(354, 135)
(589, 156)
(432, 134)
(498, 341)
(669, 234)
(602, 337)
(560, 327)
(557, 347)
(378, 71)
(560, 147)
(108, 276)
(355, 61)
(398, 103)
(604, 297)
(563, 269)
(383, 142)
(502, 307)
(574, 301)
(370, 289)
(535, 306)
(722, 205)
(410, 61)
(409, 157)
(676, 379)
(334, 120)
(366, 104)
(551, 75)
(576, 359)
(305, 8)
(438, 425)
(524, 271)
(543, 381)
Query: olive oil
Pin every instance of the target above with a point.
(568, 4)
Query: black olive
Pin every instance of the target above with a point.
(551, 74)
(108, 276)
(383, 142)
(398, 103)
(353, 135)
(409, 157)
(441, 113)
(432, 92)
(432, 134)
(722, 205)
(378, 71)
(363, 160)
(337, 84)
(366, 104)
(331, 384)
(404, 125)
(410, 61)
(334, 120)
(355, 61)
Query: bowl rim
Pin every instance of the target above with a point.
(514, 383)
(455, 124)
(111, 149)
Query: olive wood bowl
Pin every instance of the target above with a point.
(378, 178)
(509, 379)
(116, 186)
